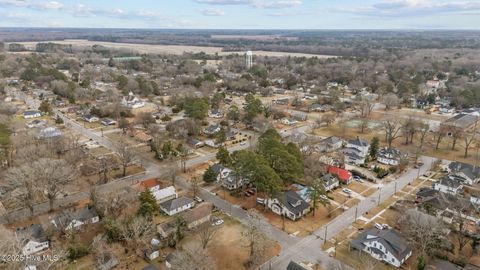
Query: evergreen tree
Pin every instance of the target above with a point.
(148, 204)
(374, 145)
(209, 176)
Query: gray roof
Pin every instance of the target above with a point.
(332, 140)
(82, 214)
(31, 112)
(394, 243)
(218, 168)
(469, 170)
(360, 142)
(293, 202)
(449, 182)
(462, 120)
(33, 232)
(176, 203)
(329, 179)
(295, 266)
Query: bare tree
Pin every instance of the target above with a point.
(365, 106)
(363, 126)
(11, 244)
(439, 135)
(422, 129)
(367, 262)
(468, 138)
(101, 252)
(257, 242)
(391, 128)
(46, 175)
(23, 177)
(390, 100)
(126, 154)
(191, 258)
(423, 231)
(137, 232)
(206, 234)
(455, 133)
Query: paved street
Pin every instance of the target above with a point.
(293, 248)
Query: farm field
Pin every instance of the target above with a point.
(167, 49)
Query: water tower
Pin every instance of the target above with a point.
(249, 59)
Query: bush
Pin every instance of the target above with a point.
(166, 118)
(392, 169)
(77, 251)
(176, 110)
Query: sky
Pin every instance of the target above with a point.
(243, 14)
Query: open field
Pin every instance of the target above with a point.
(167, 49)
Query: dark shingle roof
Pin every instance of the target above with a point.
(469, 170)
(176, 203)
(33, 232)
(293, 202)
(395, 244)
(295, 266)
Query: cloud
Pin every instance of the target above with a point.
(412, 8)
(36, 5)
(212, 12)
(271, 4)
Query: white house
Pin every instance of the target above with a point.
(233, 181)
(34, 239)
(31, 114)
(360, 144)
(165, 194)
(216, 113)
(448, 184)
(90, 118)
(467, 173)
(221, 171)
(289, 121)
(131, 101)
(177, 205)
(384, 245)
(289, 204)
(389, 156)
(76, 219)
(330, 182)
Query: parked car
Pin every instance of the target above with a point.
(346, 190)
(243, 143)
(386, 226)
(198, 199)
(378, 226)
(217, 222)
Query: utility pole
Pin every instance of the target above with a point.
(325, 237)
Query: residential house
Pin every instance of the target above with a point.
(108, 122)
(320, 108)
(193, 217)
(177, 205)
(282, 101)
(298, 266)
(344, 176)
(49, 133)
(75, 220)
(289, 204)
(469, 174)
(389, 156)
(90, 118)
(332, 143)
(288, 121)
(221, 171)
(195, 143)
(233, 181)
(212, 129)
(384, 245)
(31, 114)
(359, 144)
(330, 182)
(433, 83)
(165, 194)
(151, 184)
(34, 238)
(308, 96)
(131, 101)
(448, 184)
(36, 123)
(215, 113)
(353, 156)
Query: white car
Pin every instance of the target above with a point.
(217, 222)
(346, 190)
(243, 143)
(378, 226)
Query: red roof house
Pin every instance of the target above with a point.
(343, 175)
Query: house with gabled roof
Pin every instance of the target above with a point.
(448, 184)
(469, 174)
(289, 204)
(343, 175)
(69, 220)
(384, 245)
(177, 205)
(330, 182)
(34, 238)
(390, 156)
